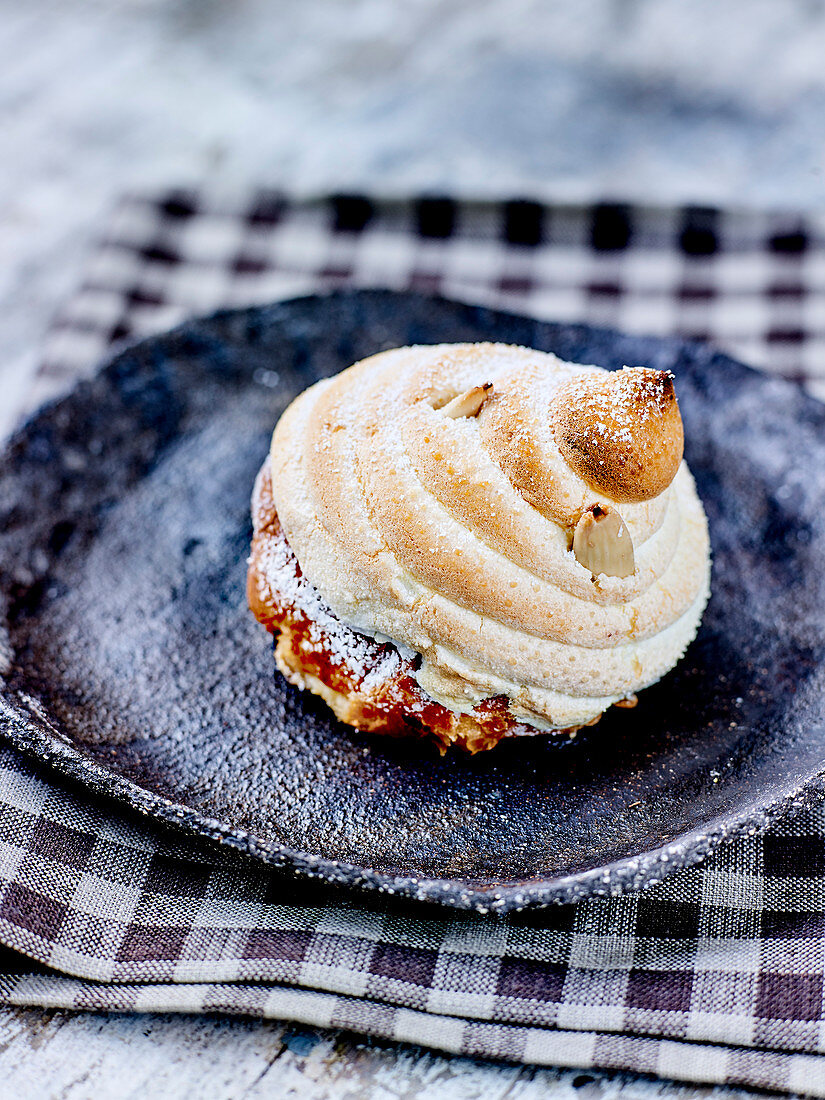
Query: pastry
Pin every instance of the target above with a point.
(478, 541)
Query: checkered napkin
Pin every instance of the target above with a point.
(716, 975)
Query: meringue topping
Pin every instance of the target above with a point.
(453, 535)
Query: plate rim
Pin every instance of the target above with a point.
(627, 875)
(34, 736)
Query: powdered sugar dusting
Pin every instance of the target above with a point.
(281, 582)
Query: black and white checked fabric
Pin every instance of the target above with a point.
(753, 283)
(714, 976)
(717, 975)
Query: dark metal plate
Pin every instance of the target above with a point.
(137, 669)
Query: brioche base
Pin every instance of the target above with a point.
(367, 684)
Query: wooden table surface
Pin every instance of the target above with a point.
(74, 1056)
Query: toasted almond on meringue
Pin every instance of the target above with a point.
(602, 543)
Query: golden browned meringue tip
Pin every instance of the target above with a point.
(621, 432)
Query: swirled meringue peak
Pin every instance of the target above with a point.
(527, 526)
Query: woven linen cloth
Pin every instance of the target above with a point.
(714, 976)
